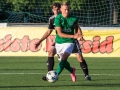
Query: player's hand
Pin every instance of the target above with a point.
(79, 37)
(82, 39)
(76, 36)
(37, 44)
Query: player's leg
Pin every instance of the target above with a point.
(62, 63)
(81, 60)
(83, 65)
(50, 61)
(65, 50)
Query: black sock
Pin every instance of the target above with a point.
(84, 67)
(50, 63)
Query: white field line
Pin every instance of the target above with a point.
(60, 74)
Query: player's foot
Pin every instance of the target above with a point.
(88, 78)
(44, 78)
(73, 76)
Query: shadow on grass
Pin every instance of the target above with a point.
(70, 85)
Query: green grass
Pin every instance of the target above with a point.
(24, 73)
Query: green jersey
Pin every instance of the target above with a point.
(67, 25)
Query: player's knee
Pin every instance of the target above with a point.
(79, 57)
(65, 56)
(50, 54)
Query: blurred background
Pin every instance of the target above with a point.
(95, 13)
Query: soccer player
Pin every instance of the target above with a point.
(65, 24)
(51, 27)
(52, 51)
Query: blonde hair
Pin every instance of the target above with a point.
(65, 3)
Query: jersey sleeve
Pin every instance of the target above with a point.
(76, 21)
(51, 24)
(57, 22)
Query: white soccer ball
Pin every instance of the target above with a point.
(52, 76)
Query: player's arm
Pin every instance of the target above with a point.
(59, 31)
(79, 31)
(46, 34)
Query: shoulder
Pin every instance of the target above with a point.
(73, 17)
(52, 18)
(58, 16)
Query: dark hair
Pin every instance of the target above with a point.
(56, 4)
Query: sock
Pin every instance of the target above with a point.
(50, 63)
(67, 66)
(84, 67)
(61, 66)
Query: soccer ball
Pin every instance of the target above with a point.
(52, 76)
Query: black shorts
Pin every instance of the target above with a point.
(77, 48)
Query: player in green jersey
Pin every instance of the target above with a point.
(65, 39)
(83, 65)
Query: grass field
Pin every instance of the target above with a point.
(24, 73)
